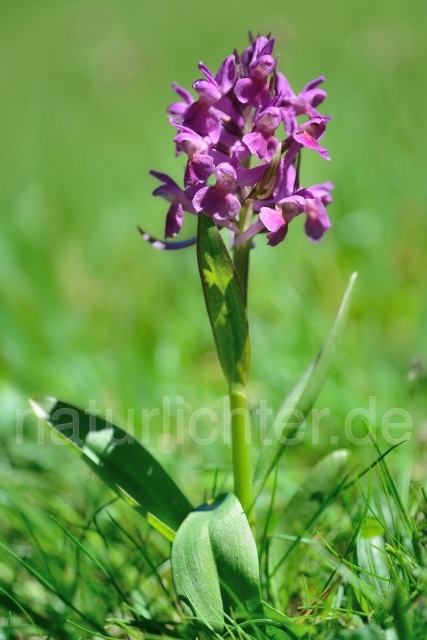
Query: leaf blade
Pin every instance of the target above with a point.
(120, 461)
(302, 398)
(224, 302)
(215, 562)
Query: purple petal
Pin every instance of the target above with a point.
(249, 177)
(313, 84)
(226, 176)
(174, 220)
(268, 120)
(283, 86)
(163, 177)
(289, 121)
(198, 169)
(310, 143)
(214, 202)
(208, 90)
(292, 206)
(227, 74)
(276, 237)
(256, 144)
(169, 193)
(191, 143)
(285, 184)
(317, 221)
(252, 91)
(183, 93)
(177, 109)
(271, 218)
(262, 67)
(203, 119)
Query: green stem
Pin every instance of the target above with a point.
(241, 253)
(241, 446)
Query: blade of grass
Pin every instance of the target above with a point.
(303, 397)
(24, 611)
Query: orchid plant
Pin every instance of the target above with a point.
(242, 135)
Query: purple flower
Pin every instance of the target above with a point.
(306, 136)
(262, 142)
(317, 221)
(213, 88)
(200, 165)
(180, 201)
(219, 202)
(304, 103)
(177, 109)
(277, 220)
(254, 90)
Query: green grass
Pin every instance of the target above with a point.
(89, 312)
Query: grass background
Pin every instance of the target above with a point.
(90, 312)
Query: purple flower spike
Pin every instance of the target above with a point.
(219, 202)
(231, 127)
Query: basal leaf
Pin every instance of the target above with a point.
(224, 302)
(301, 399)
(215, 563)
(120, 461)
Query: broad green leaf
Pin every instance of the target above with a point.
(304, 510)
(301, 399)
(121, 462)
(224, 302)
(215, 563)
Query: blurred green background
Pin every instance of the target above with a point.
(91, 312)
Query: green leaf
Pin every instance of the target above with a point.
(224, 302)
(293, 630)
(215, 563)
(301, 399)
(121, 462)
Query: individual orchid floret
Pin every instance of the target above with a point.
(304, 103)
(180, 201)
(219, 201)
(307, 136)
(277, 220)
(262, 142)
(178, 109)
(254, 90)
(317, 221)
(213, 88)
(200, 164)
(201, 116)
